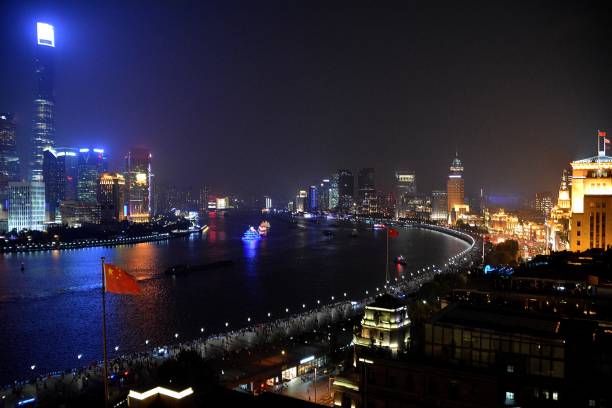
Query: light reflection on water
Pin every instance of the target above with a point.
(50, 313)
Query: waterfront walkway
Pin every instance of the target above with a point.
(137, 367)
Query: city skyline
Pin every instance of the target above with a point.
(205, 114)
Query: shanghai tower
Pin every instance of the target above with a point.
(43, 131)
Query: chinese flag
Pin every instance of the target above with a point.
(393, 233)
(119, 281)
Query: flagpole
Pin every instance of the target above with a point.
(387, 268)
(104, 334)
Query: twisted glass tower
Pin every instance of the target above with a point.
(43, 127)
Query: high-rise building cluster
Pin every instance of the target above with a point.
(343, 193)
(339, 194)
(65, 185)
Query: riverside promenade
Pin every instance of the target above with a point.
(139, 365)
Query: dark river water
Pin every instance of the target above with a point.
(51, 312)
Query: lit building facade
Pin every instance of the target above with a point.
(267, 203)
(43, 127)
(334, 193)
(9, 160)
(385, 324)
(544, 202)
(366, 190)
(313, 199)
(557, 224)
(77, 213)
(324, 195)
(591, 198)
(26, 206)
(138, 179)
(60, 171)
(439, 206)
(455, 191)
(204, 194)
(92, 162)
(300, 201)
(405, 189)
(346, 190)
(111, 197)
(222, 203)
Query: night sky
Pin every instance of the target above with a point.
(263, 97)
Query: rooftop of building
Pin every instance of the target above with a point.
(387, 301)
(499, 320)
(569, 266)
(594, 159)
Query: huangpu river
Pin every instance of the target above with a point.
(50, 313)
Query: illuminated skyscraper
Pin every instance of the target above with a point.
(138, 179)
(334, 193)
(324, 194)
(92, 162)
(313, 200)
(366, 191)
(366, 184)
(60, 172)
(26, 206)
(591, 197)
(43, 127)
(111, 197)
(544, 202)
(346, 190)
(204, 194)
(405, 189)
(455, 190)
(300, 201)
(439, 206)
(9, 160)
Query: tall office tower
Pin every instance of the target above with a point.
(455, 191)
(43, 127)
(313, 199)
(544, 202)
(92, 163)
(346, 189)
(26, 206)
(267, 203)
(60, 172)
(591, 211)
(9, 160)
(366, 184)
(138, 178)
(324, 195)
(439, 207)
(300, 201)
(204, 194)
(334, 193)
(405, 190)
(111, 197)
(366, 190)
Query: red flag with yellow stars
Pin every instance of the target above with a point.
(116, 280)
(393, 233)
